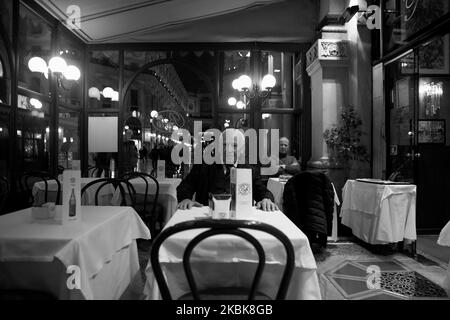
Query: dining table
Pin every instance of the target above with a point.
(95, 258)
(444, 240)
(226, 260)
(380, 212)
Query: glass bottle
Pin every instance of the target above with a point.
(72, 205)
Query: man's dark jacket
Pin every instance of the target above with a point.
(308, 200)
(202, 179)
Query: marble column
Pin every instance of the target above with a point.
(327, 65)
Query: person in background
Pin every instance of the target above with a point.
(154, 155)
(133, 154)
(204, 179)
(288, 164)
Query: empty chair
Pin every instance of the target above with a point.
(127, 192)
(146, 202)
(27, 182)
(308, 200)
(220, 227)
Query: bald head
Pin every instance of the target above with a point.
(284, 145)
(233, 144)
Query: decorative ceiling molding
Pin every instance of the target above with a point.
(105, 21)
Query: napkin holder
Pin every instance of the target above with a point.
(45, 212)
(241, 191)
(220, 206)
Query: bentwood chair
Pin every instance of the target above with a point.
(146, 204)
(126, 189)
(96, 172)
(217, 227)
(28, 180)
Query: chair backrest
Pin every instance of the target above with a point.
(116, 183)
(4, 191)
(28, 180)
(97, 172)
(146, 204)
(216, 227)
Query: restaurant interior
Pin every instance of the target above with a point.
(111, 110)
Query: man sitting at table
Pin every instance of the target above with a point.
(288, 164)
(215, 178)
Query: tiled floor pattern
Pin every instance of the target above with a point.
(344, 274)
(342, 270)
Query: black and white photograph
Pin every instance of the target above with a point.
(223, 151)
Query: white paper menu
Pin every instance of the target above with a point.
(71, 204)
(161, 169)
(241, 191)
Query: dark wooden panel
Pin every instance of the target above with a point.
(433, 187)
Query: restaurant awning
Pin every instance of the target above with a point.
(120, 21)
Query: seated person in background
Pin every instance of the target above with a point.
(215, 178)
(288, 164)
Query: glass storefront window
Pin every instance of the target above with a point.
(403, 19)
(34, 41)
(6, 17)
(34, 106)
(282, 123)
(69, 91)
(68, 137)
(4, 141)
(133, 60)
(103, 74)
(4, 83)
(235, 64)
(280, 65)
(233, 120)
(33, 140)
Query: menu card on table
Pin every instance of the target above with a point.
(161, 169)
(71, 204)
(241, 191)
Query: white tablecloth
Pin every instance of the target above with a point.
(228, 260)
(379, 213)
(102, 244)
(105, 195)
(167, 197)
(444, 240)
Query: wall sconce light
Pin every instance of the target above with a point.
(36, 103)
(249, 90)
(107, 93)
(58, 66)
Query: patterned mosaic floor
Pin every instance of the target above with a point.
(356, 273)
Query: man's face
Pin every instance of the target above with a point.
(230, 150)
(284, 146)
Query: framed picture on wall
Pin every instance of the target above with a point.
(432, 131)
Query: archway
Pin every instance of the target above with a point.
(178, 109)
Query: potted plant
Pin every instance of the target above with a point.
(344, 142)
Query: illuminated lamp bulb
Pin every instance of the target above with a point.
(268, 82)
(232, 101)
(37, 64)
(57, 65)
(72, 73)
(108, 92)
